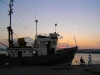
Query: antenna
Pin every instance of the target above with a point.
(35, 12)
(75, 41)
(35, 9)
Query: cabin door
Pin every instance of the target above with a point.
(19, 53)
(48, 47)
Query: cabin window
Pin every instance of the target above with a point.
(54, 42)
(23, 51)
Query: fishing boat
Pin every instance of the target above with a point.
(42, 52)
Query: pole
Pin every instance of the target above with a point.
(75, 41)
(8, 35)
(55, 27)
(36, 29)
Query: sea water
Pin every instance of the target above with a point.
(95, 58)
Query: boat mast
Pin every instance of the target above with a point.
(10, 31)
(36, 30)
(55, 27)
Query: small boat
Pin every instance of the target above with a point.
(42, 52)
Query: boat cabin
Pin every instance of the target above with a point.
(44, 45)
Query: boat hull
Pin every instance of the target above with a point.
(62, 57)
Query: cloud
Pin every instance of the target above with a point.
(85, 46)
(80, 47)
(25, 27)
(15, 40)
(62, 45)
(61, 37)
(28, 39)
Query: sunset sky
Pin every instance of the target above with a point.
(79, 18)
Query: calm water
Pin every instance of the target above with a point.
(95, 58)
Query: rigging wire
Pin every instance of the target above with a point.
(22, 25)
(4, 2)
(33, 29)
(16, 13)
(3, 28)
(18, 21)
(15, 34)
(35, 9)
(24, 20)
(27, 23)
(42, 27)
(36, 19)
